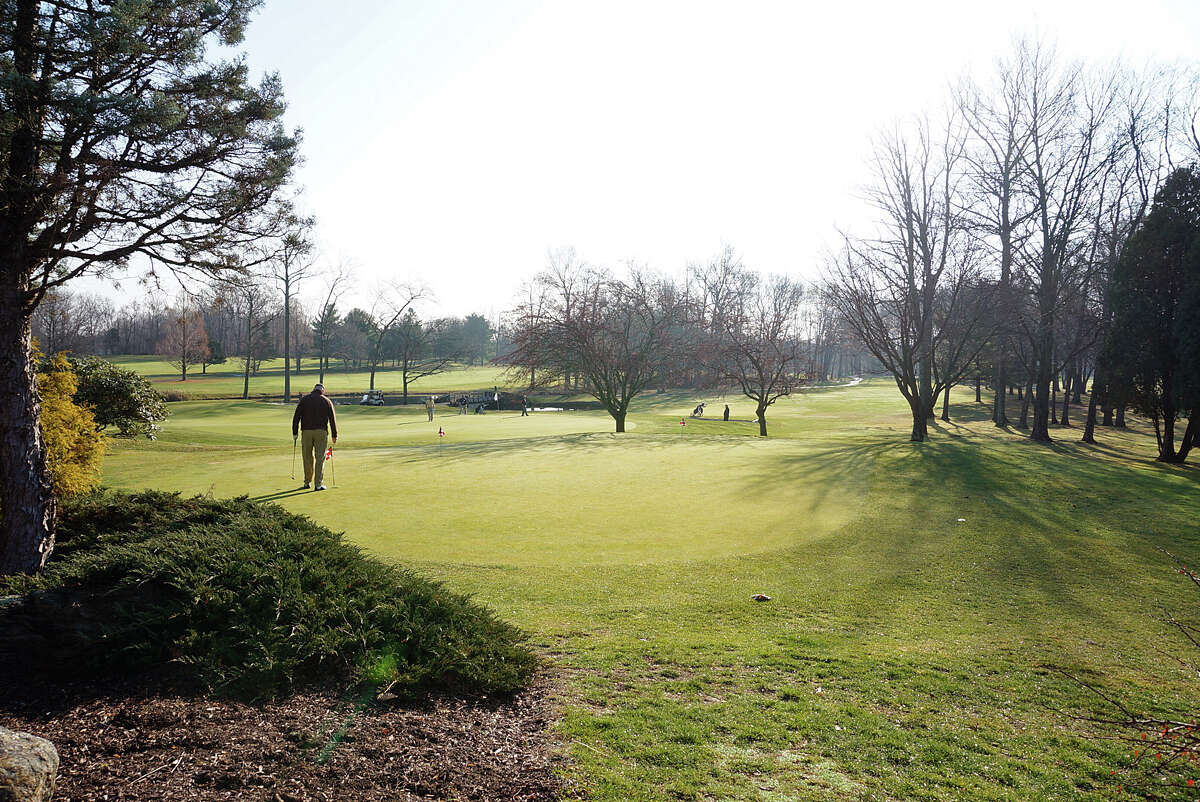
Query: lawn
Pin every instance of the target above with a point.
(226, 381)
(905, 654)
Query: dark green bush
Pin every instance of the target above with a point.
(248, 600)
(118, 397)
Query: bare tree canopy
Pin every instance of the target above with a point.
(614, 332)
(185, 341)
(749, 325)
(907, 291)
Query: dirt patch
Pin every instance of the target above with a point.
(130, 743)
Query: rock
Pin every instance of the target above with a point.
(761, 597)
(28, 766)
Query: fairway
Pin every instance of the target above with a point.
(226, 380)
(906, 654)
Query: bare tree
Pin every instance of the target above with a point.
(887, 287)
(410, 343)
(613, 332)
(752, 327)
(523, 325)
(392, 302)
(252, 296)
(1067, 112)
(185, 341)
(291, 261)
(995, 206)
(324, 325)
(1144, 119)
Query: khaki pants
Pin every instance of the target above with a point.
(313, 442)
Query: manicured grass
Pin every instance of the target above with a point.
(225, 380)
(905, 654)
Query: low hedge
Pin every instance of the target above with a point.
(247, 600)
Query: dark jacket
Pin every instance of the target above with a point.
(313, 412)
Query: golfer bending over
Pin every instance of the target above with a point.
(313, 414)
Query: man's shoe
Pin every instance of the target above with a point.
(307, 485)
(320, 487)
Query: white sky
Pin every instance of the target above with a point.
(454, 142)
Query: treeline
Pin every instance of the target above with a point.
(1041, 234)
(244, 321)
(614, 335)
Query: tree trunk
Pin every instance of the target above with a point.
(978, 390)
(619, 417)
(999, 399)
(1190, 435)
(1041, 407)
(1166, 442)
(1065, 419)
(1120, 421)
(1026, 396)
(1089, 428)
(287, 343)
(249, 336)
(761, 412)
(26, 495)
(920, 427)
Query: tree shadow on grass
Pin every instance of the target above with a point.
(1043, 524)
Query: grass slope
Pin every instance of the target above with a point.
(225, 380)
(905, 654)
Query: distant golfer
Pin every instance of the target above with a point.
(429, 407)
(313, 414)
(524, 406)
(726, 416)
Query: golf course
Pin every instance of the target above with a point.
(933, 606)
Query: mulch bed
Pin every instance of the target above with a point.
(124, 742)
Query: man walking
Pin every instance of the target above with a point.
(313, 414)
(524, 406)
(429, 407)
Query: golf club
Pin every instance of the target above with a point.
(293, 457)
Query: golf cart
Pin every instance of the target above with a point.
(372, 398)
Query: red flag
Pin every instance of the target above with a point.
(329, 453)
(440, 432)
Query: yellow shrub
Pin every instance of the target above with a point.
(74, 446)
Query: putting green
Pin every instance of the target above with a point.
(501, 488)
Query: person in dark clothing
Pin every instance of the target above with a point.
(524, 406)
(313, 415)
(726, 416)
